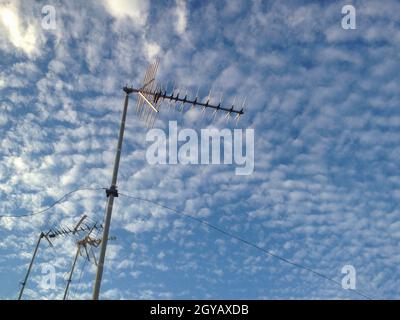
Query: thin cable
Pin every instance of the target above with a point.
(226, 233)
(79, 279)
(64, 197)
(82, 272)
(78, 287)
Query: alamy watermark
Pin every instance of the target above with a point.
(349, 20)
(49, 21)
(49, 275)
(186, 147)
(349, 280)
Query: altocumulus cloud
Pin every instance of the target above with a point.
(323, 102)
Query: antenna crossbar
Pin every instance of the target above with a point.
(157, 95)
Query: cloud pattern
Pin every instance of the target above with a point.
(324, 105)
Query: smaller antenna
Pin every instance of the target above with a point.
(84, 243)
(50, 234)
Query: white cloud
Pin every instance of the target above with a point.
(181, 17)
(151, 50)
(137, 10)
(22, 35)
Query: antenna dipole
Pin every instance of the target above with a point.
(150, 96)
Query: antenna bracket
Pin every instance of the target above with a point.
(127, 89)
(113, 190)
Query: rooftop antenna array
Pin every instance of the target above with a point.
(54, 233)
(150, 97)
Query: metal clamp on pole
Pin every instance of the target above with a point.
(113, 190)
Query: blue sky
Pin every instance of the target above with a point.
(323, 102)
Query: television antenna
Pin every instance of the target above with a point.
(87, 243)
(150, 97)
(51, 234)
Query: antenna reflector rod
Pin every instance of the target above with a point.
(148, 102)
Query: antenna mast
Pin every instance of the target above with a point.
(30, 266)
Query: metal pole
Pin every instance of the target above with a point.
(111, 193)
(30, 266)
(72, 271)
